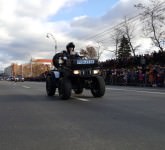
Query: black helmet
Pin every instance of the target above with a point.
(70, 45)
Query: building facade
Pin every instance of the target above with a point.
(33, 69)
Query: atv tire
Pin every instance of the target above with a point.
(65, 88)
(50, 86)
(98, 87)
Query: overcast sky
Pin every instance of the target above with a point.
(25, 23)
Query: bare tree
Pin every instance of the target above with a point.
(153, 17)
(89, 52)
(129, 31)
(99, 50)
(118, 33)
(84, 52)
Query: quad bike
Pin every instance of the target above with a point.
(74, 73)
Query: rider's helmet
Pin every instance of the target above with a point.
(70, 45)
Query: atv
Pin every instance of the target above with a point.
(74, 73)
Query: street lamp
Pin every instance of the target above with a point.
(55, 41)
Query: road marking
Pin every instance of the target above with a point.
(149, 92)
(81, 99)
(27, 87)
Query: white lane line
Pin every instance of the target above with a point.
(81, 99)
(13, 85)
(27, 87)
(149, 92)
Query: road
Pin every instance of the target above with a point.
(126, 118)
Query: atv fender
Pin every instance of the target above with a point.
(56, 74)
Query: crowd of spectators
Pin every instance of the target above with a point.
(143, 70)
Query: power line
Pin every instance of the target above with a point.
(105, 34)
(110, 28)
(118, 25)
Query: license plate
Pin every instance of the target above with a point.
(85, 62)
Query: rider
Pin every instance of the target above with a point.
(70, 53)
(66, 54)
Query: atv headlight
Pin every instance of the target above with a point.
(96, 71)
(76, 72)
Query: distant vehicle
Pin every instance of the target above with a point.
(19, 78)
(10, 78)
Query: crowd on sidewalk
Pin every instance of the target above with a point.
(146, 70)
(151, 76)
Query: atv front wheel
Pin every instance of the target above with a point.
(50, 86)
(65, 88)
(98, 87)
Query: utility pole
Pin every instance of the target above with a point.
(22, 70)
(31, 69)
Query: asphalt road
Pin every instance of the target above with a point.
(126, 118)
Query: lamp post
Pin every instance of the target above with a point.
(55, 41)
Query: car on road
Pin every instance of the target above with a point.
(11, 78)
(19, 78)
